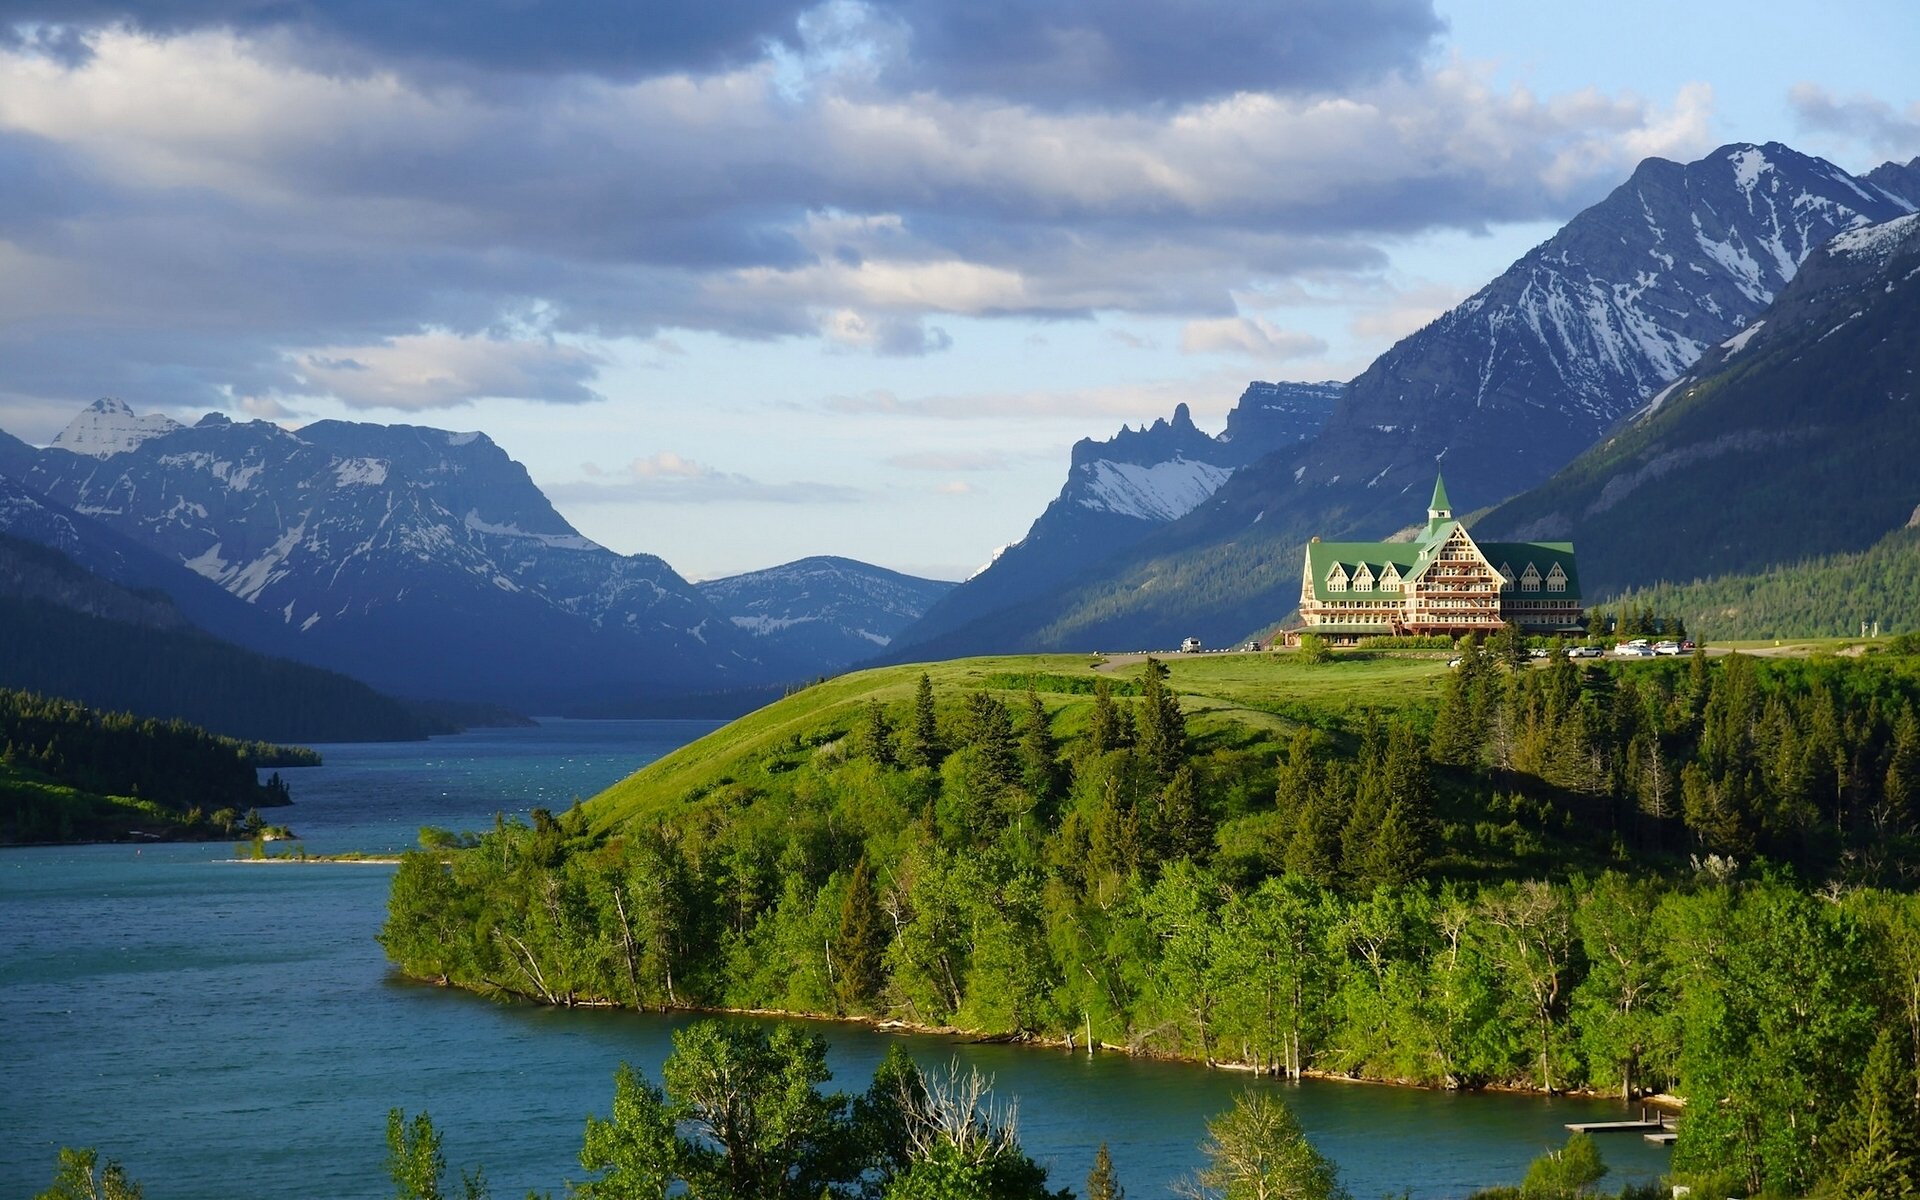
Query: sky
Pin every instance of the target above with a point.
(745, 282)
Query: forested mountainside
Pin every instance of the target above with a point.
(72, 633)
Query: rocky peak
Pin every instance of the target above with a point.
(108, 427)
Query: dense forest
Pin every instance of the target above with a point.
(185, 674)
(1675, 875)
(1829, 596)
(71, 773)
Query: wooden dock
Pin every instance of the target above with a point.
(1641, 1126)
(1655, 1126)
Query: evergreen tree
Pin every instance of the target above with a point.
(1901, 789)
(923, 739)
(874, 738)
(989, 732)
(1182, 828)
(1102, 1183)
(862, 945)
(1037, 749)
(1106, 731)
(1163, 729)
(1876, 1146)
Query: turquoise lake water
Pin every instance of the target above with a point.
(228, 1030)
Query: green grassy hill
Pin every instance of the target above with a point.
(1246, 702)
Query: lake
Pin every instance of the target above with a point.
(232, 1030)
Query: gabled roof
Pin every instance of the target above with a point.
(1544, 556)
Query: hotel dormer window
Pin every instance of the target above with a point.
(1556, 579)
(1530, 579)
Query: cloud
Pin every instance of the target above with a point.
(416, 372)
(204, 206)
(668, 478)
(1071, 53)
(1254, 336)
(956, 487)
(1883, 128)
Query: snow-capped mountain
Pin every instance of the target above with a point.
(1793, 438)
(1120, 490)
(1585, 328)
(826, 612)
(108, 427)
(1501, 391)
(420, 560)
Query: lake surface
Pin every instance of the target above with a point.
(228, 1030)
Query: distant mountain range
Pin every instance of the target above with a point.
(828, 612)
(422, 561)
(1502, 391)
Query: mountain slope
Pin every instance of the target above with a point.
(1797, 437)
(824, 612)
(1501, 391)
(1117, 493)
(420, 560)
(75, 634)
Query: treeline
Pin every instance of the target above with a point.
(1828, 596)
(169, 767)
(1815, 763)
(186, 675)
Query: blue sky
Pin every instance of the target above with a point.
(745, 282)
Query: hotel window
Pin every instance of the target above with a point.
(1530, 579)
(1556, 579)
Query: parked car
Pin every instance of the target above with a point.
(1252, 647)
(1585, 652)
(1688, 646)
(1666, 648)
(1191, 646)
(1633, 650)
(1538, 652)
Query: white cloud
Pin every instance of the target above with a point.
(443, 370)
(669, 478)
(1253, 336)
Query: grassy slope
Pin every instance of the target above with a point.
(86, 816)
(1232, 700)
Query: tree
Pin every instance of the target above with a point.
(762, 1129)
(1163, 728)
(1257, 1151)
(1106, 731)
(1037, 750)
(860, 951)
(1102, 1183)
(75, 1179)
(874, 737)
(636, 1151)
(923, 736)
(415, 1162)
(1565, 1174)
(1875, 1147)
(963, 1145)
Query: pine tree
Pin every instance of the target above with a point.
(1102, 1183)
(1902, 786)
(990, 732)
(1105, 731)
(874, 738)
(1163, 729)
(923, 742)
(862, 945)
(1037, 749)
(1182, 827)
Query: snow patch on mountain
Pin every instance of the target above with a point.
(1732, 345)
(559, 541)
(1876, 243)
(1164, 491)
(361, 472)
(108, 427)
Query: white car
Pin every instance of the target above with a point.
(1633, 650)
(1190, 646)
(1666, 647)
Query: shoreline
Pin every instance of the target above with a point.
(896, 1025)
